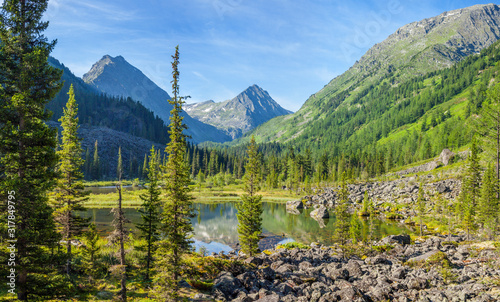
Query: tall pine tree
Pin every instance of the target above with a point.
(469, 193)
(250, 207)
(69, 194)
(27, 144)
(177, 208)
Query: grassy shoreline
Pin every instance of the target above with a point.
(131, 198)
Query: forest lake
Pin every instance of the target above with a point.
(215, 225)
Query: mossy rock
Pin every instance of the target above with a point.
(394, 216)
(200, 285)
(292, 245)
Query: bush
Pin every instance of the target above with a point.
(292, 245)
(394, 216)
(383, 248)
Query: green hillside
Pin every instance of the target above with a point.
(386, 70)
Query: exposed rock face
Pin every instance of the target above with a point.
(319, 274)
(108, 141)
(115, 76)
(249, 109)
(445, 156)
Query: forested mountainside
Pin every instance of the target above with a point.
(341, 108)
(249, 109)
(100, 110)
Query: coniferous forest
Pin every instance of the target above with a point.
(399, 177)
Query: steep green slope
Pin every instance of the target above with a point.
(380, 81)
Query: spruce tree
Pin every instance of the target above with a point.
(355, 229)
(250, 207)
(177, 207)
(119, 234)
(342, 221)
(488, 203)
(469, 193)
(27, 144)
(90, 252)
(69, 194)
(150, 211)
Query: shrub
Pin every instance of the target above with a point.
(292, 245)
(383, 248)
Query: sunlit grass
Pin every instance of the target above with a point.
(203, 194)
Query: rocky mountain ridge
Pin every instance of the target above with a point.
(252, 107)
(115, 76)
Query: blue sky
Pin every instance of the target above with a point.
(289, 48)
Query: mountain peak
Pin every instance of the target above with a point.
(115, 76)
(240, 114)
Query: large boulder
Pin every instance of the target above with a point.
(226, 285)
(320, 213)
(442, 188)
(446, 156)
(401, 239)
(294, 205)
(432, 165)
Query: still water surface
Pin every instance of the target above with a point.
(215, 226)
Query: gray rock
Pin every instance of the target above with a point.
(265, 273)
(446, 156)
(442, 188)
(254, 260)
(270, 298)
(424, 256)
(320, 213)
(294, 205)
(379, 259)
(401, 239)
(226, 284)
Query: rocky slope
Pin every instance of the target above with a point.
(414, 49)
(432, 270)
(386, 195)
(133, 148)
(249, 109)
(115, 76)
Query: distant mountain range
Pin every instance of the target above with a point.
(236, 116)
(116, 77)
